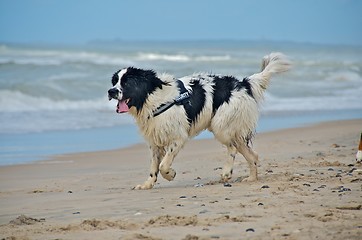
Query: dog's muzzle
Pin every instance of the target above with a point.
(113, 94)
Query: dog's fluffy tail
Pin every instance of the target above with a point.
(273, 63)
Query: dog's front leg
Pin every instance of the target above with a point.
(170, 153)
(157, 154)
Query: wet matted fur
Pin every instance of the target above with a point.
(226, 106)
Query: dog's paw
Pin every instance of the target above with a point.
(144, 186)
(250, 179)
(169, 175)
(226, 175)
(225, 179)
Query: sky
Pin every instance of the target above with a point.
(81, 21)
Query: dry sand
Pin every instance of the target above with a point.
(309, 188)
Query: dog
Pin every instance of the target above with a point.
(170, 111)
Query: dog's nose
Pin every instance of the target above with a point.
(113, 93)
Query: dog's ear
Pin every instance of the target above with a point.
(137, 84)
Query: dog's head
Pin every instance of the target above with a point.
(131, 87)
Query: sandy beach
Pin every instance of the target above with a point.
(309, 187)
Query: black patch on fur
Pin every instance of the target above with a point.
(197, 101)
(222, 91)
(245, 84)
(137, 84)
(223, 87)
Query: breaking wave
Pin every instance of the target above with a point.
(181, 57)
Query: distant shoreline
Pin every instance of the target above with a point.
(105, 43)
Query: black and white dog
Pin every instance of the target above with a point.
(170, 111)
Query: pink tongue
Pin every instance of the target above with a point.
(122, 107)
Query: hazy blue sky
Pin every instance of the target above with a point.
(79, 21)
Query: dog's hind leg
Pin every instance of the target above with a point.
(170, 153)
(252, 159)
(227, 170)
(157, 155)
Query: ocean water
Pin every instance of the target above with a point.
(53, 99)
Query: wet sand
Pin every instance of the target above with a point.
(309, 188)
